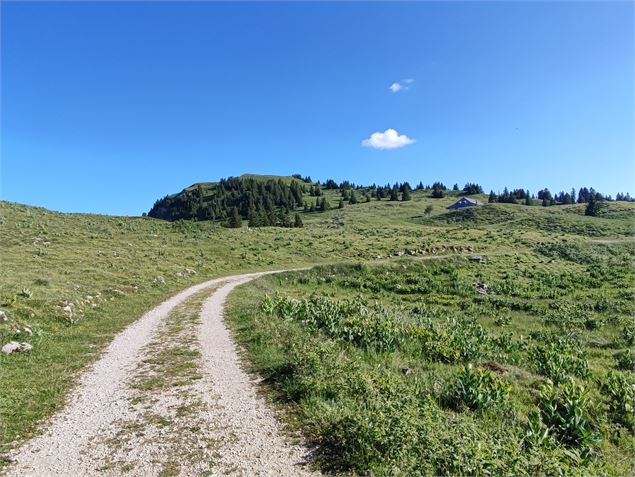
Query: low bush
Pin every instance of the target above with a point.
(625, 360)
(620, 391)
(559, 360)
(479, 389)
(565, 409)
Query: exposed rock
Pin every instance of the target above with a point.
(475, 258)
(10, 347)
(3, 316)
(13, 346)
(25, 347)
(482, 288)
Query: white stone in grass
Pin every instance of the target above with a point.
(10, 347)
(25, 347)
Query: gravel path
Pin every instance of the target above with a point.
(240, 429)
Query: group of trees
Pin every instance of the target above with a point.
(546, 198)
(260, 200)
(273, 202)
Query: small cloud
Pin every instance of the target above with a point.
(389, 139)
(401, 85)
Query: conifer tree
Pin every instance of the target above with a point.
(234, 220)
(394, 193)
(437, 191)
(593, 205)
(298, 221)
(252, 216)
(341, 204)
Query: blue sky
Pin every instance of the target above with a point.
(108, 106)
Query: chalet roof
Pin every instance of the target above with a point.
(465, 201)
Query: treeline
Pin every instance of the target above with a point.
(267, 202)
(546, 198)
(262, 202)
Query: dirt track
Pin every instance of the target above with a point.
(127, 416)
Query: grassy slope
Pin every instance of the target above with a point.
(67, 257)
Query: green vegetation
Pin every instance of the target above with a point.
(517, 363)
(270, 201)
(370, 380)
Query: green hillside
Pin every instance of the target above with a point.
(541, 261)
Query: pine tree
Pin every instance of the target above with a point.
(437, 191)
(593, 205)
(234, 220)
(492, 197)
(353, 198)
(394, 194)
(252, 216)
(285, 218)
(263, 218)
(341, 204)
(298, 221)
(405, 196)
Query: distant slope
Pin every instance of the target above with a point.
(616, 217)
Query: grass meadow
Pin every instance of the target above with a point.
(387, 348)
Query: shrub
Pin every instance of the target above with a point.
(537, 433)
(628, 332)
(451, 341)
(378, 430)
(348, 320)
(620, 390)
(558, 360)
(479, 389)
(503, 320)
(565, 409)
(625, 360)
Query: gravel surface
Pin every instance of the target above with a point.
(252, 442)
(243, 432)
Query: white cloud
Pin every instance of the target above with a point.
(401, 85)
(389, 139)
